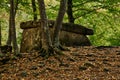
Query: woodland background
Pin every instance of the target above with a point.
(98, 62)
(103, 16)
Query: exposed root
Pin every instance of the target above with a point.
(63, 48)
(58, 57)
(46, 53)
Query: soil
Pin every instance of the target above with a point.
(80, 63)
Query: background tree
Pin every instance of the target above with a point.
(0, 33)
(34, 9)
(45, 37)
(10, 32)
(71, 18)
(58, 24)
(12, 26)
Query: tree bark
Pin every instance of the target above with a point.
(58, 23)
(16, 7)
(46, 39)
(12, 26)
(0, 34)
(9, 34)
(9, 41)
(71, 19)
(34, 10)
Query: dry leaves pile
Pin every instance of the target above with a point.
(80, 63)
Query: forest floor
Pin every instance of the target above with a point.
(80, 63)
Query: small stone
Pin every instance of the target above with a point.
(91, 59)
(89, 65)
(106, 70)
(75, 54)
(76, 79)
(90, 55)
(118, 53)
(35, 74)
(82, 68)
(65, 65)
(33, 68)
(24, 74)
(71, 59)
(41, 64)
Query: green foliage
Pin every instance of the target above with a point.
(103, 17)
(100, 15)
(106, 29)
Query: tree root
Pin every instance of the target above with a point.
(63, 48)
(51, 51)
(46, 53)
(57, 57)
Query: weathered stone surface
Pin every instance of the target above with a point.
(73, 39)
(69, 27)
(31, 39)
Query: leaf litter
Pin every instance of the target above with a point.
(80, 63)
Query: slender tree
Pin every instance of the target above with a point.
(16, 6)
(58, 24)
(0, 38)
(47, 45)
(71, 19)
(9, 35)
(46, 39)
(0, 34)
(34, 10)
(12, 26)
(10, 32)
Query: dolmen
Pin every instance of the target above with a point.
(70, 35)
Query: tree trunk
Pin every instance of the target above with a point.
(12, 26)
(58, 23)
(71, 19)
(0, 34)
(16, 7)
(34, 10)
(10, 32)
(46, 39)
